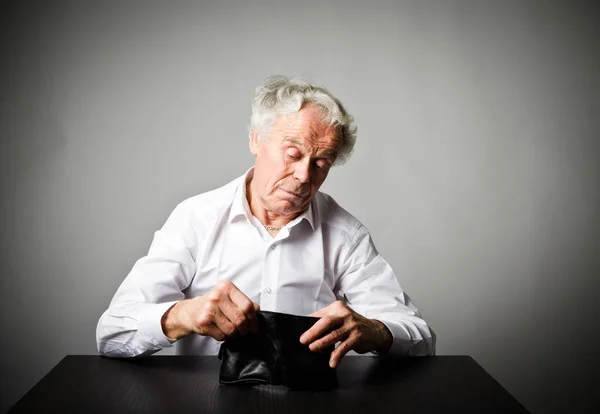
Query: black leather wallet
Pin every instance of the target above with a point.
(275, 356)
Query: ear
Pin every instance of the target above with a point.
(253, 143)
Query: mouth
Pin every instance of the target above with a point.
(294, 194)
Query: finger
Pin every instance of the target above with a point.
(225, 325)
(330, 339)
(340, 351)
(240, 300)
(319, 328)
(331, 309)
(234, 315)
(213, 331)
(254, 319)
(245, 305)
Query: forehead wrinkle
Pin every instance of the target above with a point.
(296, 123)
(295, 141)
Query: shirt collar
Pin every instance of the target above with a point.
(240, 205)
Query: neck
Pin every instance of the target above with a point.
(271, 221)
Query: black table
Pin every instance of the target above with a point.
(179, 384)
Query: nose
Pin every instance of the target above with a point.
(302, 172)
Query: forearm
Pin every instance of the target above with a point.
(132, 329)
(173, 322)
(131, 326)
(371, 288)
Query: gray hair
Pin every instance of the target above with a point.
(280, 95)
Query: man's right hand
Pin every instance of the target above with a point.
(222, 313)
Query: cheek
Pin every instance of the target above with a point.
(317, 182)
(277, 181)
(321, 177)
(276, 170)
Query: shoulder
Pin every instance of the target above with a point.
(335, 218)
(209, 205)
(219, 197)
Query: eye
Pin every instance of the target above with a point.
(293, 153)
(322, 164)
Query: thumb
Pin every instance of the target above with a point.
(319, 314)
(254, 327)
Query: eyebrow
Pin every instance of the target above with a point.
(326, 153)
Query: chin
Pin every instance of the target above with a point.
(285, 208)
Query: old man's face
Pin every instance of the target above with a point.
(294, 161)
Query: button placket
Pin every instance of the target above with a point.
(270, 277)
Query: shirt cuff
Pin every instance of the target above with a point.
(150, 324)
(400, 339)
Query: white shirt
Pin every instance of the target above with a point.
(323, 255)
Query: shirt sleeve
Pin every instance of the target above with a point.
(131, 326)
(372, 289)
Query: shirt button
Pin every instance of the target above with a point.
(155, 342)
(268, 290)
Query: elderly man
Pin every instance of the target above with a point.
(268, 240)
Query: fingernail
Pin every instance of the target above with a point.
(332, 363)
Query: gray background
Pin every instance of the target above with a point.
(476, 168)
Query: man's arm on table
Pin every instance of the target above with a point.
(131, 326)
(374, 298)
(149, 311)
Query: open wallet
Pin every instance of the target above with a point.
(275, 356)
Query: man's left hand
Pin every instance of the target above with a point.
(340, 323)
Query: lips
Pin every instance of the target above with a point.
(293, 192)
